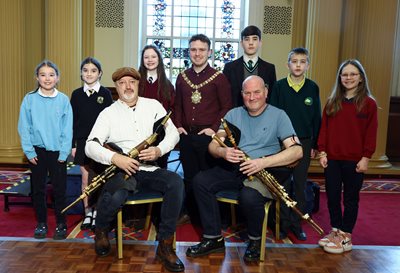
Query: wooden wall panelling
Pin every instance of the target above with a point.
(12, 77)
(377, 23)
(64, 40)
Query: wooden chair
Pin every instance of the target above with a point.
(142, 197)
(232, 197)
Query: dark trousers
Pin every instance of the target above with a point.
(164, 181)
(287, 215)
(206, 184)
(47, 164)
(195, 158)
(296, 189)
(252, 203)
(338, 173)
(194, 154)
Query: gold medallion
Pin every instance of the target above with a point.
(196, 97)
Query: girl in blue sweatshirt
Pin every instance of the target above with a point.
(45, 129)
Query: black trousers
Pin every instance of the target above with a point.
(343, 173)
(194, 157)
(48, 164)
(295, 187)
(207, 183)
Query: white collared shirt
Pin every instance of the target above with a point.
(127, 128)
(153, 75)
(40, 92)
(246, 59)
(95, 87)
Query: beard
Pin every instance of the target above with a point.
(129, 96)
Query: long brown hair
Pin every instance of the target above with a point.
(164, 85)
(334, 103)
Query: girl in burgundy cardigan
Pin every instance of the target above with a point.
(154, 84)
(347, 140)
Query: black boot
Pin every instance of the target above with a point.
(101, 242)
(166, 254)
(206, 246)
(253, 251)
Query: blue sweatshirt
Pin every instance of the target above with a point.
(45, 122)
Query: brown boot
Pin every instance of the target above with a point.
(101, 242)
(167, 255)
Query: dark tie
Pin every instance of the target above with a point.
(150, 80)
(250, 64)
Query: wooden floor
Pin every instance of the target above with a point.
(22, 255)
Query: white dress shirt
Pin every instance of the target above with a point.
(127, 127)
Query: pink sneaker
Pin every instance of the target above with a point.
(324, 241)
(339, 244)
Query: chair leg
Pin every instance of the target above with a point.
(277, 219)
(119, 233)
(264, 231)
(6, 203)
(233, 215)
(148, 216)
(177, 167)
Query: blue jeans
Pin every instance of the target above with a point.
(168, 183)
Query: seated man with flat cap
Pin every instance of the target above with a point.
(125, 124)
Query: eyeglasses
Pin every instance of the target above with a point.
(350, 75)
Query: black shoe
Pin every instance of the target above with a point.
(101, 243)
(206, 246)
(60, 232)
(299, 233)
(282, 235)
(40, 231)
(253, 251)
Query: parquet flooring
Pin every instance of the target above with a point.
(21, 255)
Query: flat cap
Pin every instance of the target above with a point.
(125, 71)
